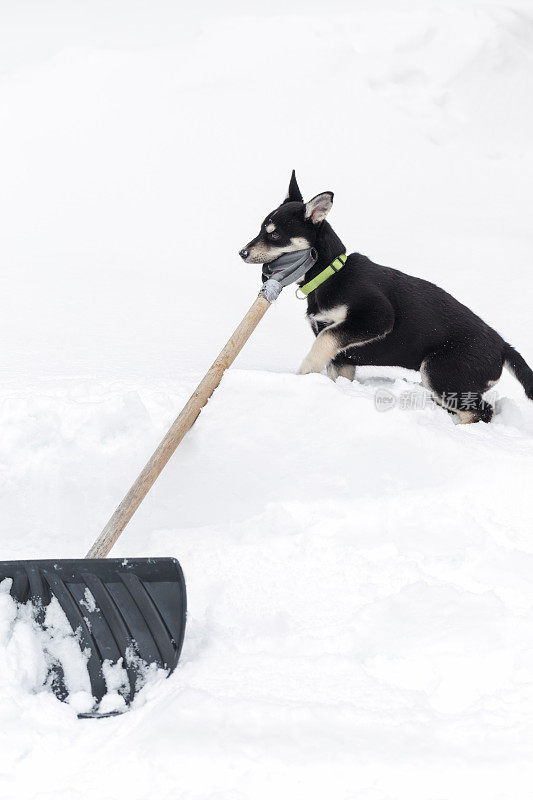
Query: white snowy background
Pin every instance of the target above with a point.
(360, 583)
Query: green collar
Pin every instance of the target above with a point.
(336, 265)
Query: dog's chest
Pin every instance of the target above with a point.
(327, 317)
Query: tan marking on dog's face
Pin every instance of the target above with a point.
(270, 228)
(299, 243)
(263, 252)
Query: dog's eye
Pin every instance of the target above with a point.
(274, 235)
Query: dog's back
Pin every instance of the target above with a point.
(426, 317)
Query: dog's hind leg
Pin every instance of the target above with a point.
(481, 412)
(458, 386)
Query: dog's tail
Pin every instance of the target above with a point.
(519, 368)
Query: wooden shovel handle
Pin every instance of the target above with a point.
(177, 431)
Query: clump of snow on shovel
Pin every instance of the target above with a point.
(29, 653)
(118, 684)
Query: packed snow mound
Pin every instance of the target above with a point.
(354, 588)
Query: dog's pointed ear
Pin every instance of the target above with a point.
(294, 192)
(318, 208)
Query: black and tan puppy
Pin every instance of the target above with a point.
(366, 314)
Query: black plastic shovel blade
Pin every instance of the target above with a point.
(132, 609)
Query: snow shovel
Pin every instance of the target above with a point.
(133, 610)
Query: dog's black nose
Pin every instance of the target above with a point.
(243, 254)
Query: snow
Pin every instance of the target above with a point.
(359, 582)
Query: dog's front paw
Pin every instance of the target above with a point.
(307, 367)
